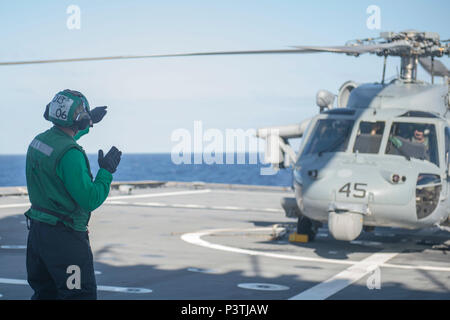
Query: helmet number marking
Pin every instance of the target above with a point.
(60, 113)
(60, 107)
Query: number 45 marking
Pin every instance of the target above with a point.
(359, 190)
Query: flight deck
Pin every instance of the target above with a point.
(202, 241)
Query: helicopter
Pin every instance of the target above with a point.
(378, 159)
(381, 158)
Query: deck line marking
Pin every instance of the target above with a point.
(157, 204)
(13, 246)
(162, 194)
(13, 281)
(147, 195)
(410, 267)
(15, 205)
(192, 206)
(99, 288)
(345, 278)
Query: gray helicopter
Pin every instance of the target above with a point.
(381, 158)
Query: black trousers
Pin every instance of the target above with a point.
(59, 263)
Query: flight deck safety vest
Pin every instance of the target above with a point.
(50, 200)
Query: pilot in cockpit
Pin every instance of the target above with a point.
(420, 135)
(377, 129)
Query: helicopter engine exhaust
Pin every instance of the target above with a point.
(346, 226)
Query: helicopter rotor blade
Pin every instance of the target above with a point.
(282, 51)
(439, 69)
(352, 50)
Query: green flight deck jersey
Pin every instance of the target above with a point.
(59, 180)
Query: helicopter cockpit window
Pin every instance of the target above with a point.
(369, 137)
(413, 140)
(329, 135)
(447, 145)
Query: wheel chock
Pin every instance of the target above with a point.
(296, 237)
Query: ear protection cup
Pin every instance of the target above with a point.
(82, 121)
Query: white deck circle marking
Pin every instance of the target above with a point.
(355, 272)
(195, 239)
(263, 286)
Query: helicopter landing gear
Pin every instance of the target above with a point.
(307, 227)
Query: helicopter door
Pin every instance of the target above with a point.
(447, 162)
(447, 145)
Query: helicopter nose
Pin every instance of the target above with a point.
(348, 194)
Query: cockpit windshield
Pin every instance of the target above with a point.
(329, 135)
(413, 140)
(369, 137)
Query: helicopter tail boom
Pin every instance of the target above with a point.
(279, 152)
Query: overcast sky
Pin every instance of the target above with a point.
(149, 99)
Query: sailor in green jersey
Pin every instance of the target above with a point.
(63, 194)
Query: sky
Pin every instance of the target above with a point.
(149, 99)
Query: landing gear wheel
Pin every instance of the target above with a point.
(306, 226)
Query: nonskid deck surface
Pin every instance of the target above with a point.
(212, 242)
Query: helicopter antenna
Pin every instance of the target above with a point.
(432, 70)
(384, 69)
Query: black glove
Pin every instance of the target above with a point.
(110, 161)
(97, 114)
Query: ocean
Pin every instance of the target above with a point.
(159, 166)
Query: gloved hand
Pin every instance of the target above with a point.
(111, 160)
(97, 114)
